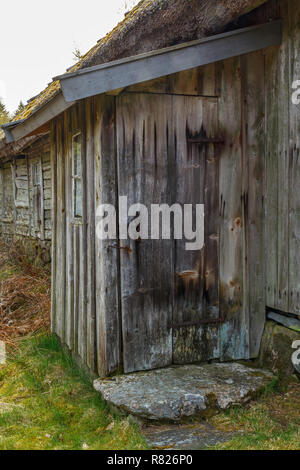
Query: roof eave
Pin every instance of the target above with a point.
(19, 129)
(125, 72)
(136, 69)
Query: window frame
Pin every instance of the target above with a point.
(76, 177)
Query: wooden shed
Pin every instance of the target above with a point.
(25, 195)
(184, 102)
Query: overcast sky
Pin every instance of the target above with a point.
(37, 39)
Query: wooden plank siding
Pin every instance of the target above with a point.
(282, 247)
(26, 215)
(84, 273)
(108, 315)
(234, 332)
(292, 250)
(115, 302)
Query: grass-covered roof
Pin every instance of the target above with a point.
(153, 24)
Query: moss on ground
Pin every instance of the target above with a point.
(270, 423)
(46, 402)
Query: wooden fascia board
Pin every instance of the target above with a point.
(37, 120)
(125, 72)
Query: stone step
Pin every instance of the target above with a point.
(177, 393)
(198, 436)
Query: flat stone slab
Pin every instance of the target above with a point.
(177, 393)
(185, 437)
(284, 320)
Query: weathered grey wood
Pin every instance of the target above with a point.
(61, 230)
(294, 170)
(69, 294)
(233, 333)
(53, 159)
(254, 107)
(272, 193)
(196, 296)
(287, 321)
(55, 107)
(8, 219)
(107, 286)
(90, 188)
(284, 100)
(199, 81)
(254, 199)
(76, 256)
(42, 201)
(145, 141)
(75, 128)
(102, 78)
(245, 190)
(83, 242)
(13, 177)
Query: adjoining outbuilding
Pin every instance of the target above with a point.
(25, 199)
(184, 102)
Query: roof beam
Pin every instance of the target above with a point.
(129, 71)
(122, 73)
(33, 124)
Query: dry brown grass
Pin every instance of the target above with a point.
(24, 295)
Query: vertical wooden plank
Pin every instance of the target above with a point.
(146, 155)
(245, 204)
(42, 230)
(211, 333)
(90, 188)
(83, 242)
(196, 296)
(61, 231)
(30, 184)
(69, 296)
(294, 171)
(76, 255)
(233, 333)
(13, 176)
(53, 159)
(196, 81)
(74, 241)
(271, 182)
(284, 100)
(29, 198)
(107, 288)
(254, 202)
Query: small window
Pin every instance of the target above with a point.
(36, 174)
(77, 176)
(36, 171)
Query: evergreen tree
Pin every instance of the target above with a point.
(19, 108)
(4, 114)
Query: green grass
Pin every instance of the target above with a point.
(270, 423)
(46, 402)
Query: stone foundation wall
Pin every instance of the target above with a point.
(276, 349)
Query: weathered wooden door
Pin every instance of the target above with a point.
(169, 296)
